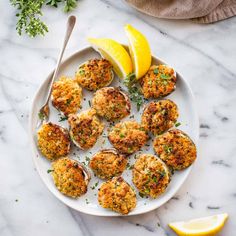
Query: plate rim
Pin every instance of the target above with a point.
(110, 213)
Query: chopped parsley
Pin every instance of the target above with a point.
(89, 102)
(49, 171)
(177, 124)
(168, 149)
(163, 76)
(141, 195)
(95, 185)
(87, 201)
(122, 135)
(81, 72)
(155, 71)
(134, 90)
(41, 115)
(62, 118)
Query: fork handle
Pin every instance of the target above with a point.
(70, 25)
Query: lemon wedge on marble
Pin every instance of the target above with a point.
(202, 226)
(115, 53)
(139, 50)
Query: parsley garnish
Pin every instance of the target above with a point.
(95, 185)
(155, 71)
(167, 149)
(30, 11)
(41, 115)
(177, 124)
(62, 118)
(134, 90)
(49, 171)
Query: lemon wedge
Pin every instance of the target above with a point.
(139, 50)
(115, 53)
(202, 226)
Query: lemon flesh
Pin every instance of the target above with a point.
(139, 50)
(202, 226)
(115, 53)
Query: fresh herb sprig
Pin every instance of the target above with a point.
(30, 11)
(134, 90)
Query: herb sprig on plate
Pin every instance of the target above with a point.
(134, 90)
(30, 11)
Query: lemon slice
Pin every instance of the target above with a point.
(202, 226)
(115, 53)
(139, 50)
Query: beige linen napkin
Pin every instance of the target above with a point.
(202, 11)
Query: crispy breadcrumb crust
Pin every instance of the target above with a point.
(159, 116)
(66, 95)
(53, 141)
(150, 175)
(95, 74)
(128, 137)
(70, 177)
(85, 128)
(108, 163)
(176, 149)
(117, 195)
(159, 81)
(111, 103)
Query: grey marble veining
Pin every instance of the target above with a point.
(204, 54)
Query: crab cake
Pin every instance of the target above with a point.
(53, 141)
(66, 95)
(128, 137)
(111, 103)
(150, 175)
(176, 149)
(108, 163)
(85, 128)
(159, 81)
(117, 195)
(159, 116)
(70, 177)
(95, 74)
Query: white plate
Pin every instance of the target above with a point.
(182, 96)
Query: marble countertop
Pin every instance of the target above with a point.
(204, 54)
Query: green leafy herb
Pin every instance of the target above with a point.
(49, 171)
(163, 76)
(29, 13)
(41, 115)
(89, 102)
(70, 5)
(155, 71)
(177, 124)
(53, 3)
(134, 90)
(141, 195)
(62, 118)
(122, 135)
(167, 149)
(95, 185)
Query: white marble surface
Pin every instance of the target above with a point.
(204, 54)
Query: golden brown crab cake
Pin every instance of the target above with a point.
(111, 103)
(128, 137)
(85, 128)
(66, 95)
(108, 163)
(150, 175)
(117, 195)
(95, 74)
(158, 82)
(159, 116)
(53, 141)
(176, 149)
(70, 177)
